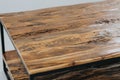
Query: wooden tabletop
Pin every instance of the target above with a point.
(61, 37)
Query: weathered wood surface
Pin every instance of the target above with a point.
(62, 37)
(103, 70)
(15, 66)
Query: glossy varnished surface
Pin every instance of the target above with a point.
(62, 37)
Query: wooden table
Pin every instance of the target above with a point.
(50, 42)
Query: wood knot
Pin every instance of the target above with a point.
(101, 37)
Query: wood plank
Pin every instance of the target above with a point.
(15, 66)
(105, 70)
(56, 38)
(102, 70)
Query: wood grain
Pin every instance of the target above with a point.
(105, 70)
(102, 70)
(61, 37)
(15, 66)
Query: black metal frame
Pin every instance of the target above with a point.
(2, 38)
(3, 50)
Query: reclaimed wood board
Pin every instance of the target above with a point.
(101, 70)
(15, 66)
(62, 37)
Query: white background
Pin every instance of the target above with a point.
(7, 6)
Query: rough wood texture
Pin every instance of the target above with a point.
(15, 66)
(103, 70)
(62, 37)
